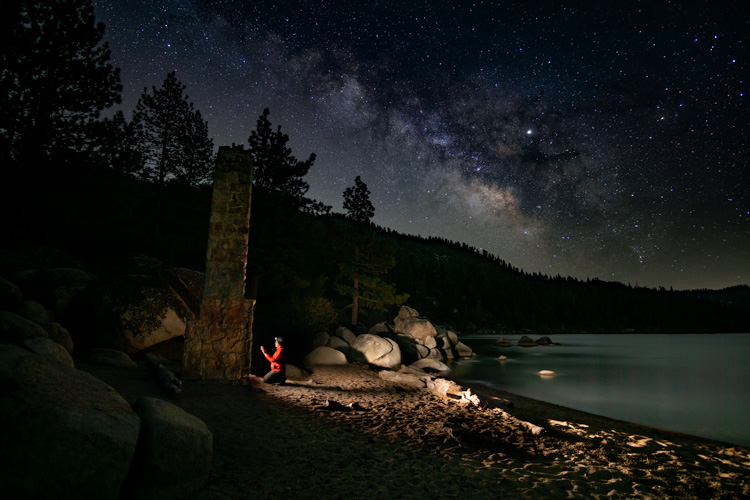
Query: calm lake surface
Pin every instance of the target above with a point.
(698, 384)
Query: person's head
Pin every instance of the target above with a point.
(279, 341)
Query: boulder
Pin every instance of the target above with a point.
(10, 295)
(502, 358)
(452, 336)
(417, 328)
(445, 347)
(378, 351)
(321, 339)
(14, 328)
(146, 312)
(429, 365)
(324, 356)
(295, 373)
(547, 373)
(463, 351)
(339, 344)
(430, 342)
(187, 285)
(408, 347)
(406, 312)
(345, 334)
(545, 340)
(49, 349)
(173, 456)
(60, 334)
(379, 329)
(64, 433)
(424, 352)
(503, 342)
(111, 357)
(36, 312)
(526, 341)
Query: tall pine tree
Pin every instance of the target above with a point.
(173, 136)
(361, 276)
(55, 78)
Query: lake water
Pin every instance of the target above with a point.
(693, 383)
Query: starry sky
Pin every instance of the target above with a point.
(584, 139)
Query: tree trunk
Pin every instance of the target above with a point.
(355, 302)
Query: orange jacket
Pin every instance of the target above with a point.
(278, 360)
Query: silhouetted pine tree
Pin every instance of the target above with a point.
(173, 136)
(55, 77)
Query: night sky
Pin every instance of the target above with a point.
(605, 140)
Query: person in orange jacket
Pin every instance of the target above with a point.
(277, 375)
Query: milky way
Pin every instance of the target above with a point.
(588, 141)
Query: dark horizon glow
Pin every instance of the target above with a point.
(591, 141)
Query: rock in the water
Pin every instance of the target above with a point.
(64, 433)
(111, 357)
(547, 373)
(526, 341)
(503, 342)
(174, 451)
(324, 356)
(49, 349)
(544, 340)
(502, 358)
(378, 351)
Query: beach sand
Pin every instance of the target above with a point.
(345, 433)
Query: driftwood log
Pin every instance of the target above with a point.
(166, 379)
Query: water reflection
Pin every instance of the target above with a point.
(688, 383)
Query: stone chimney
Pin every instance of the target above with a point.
(218, 343)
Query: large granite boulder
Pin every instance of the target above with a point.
(419, 329)
(173, 456)
(143, 311)
(378, 351)
(63, 432)
(324, 356)
(503, 342)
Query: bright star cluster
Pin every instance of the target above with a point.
(592, 140)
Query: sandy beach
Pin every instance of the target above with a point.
(345, 433)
